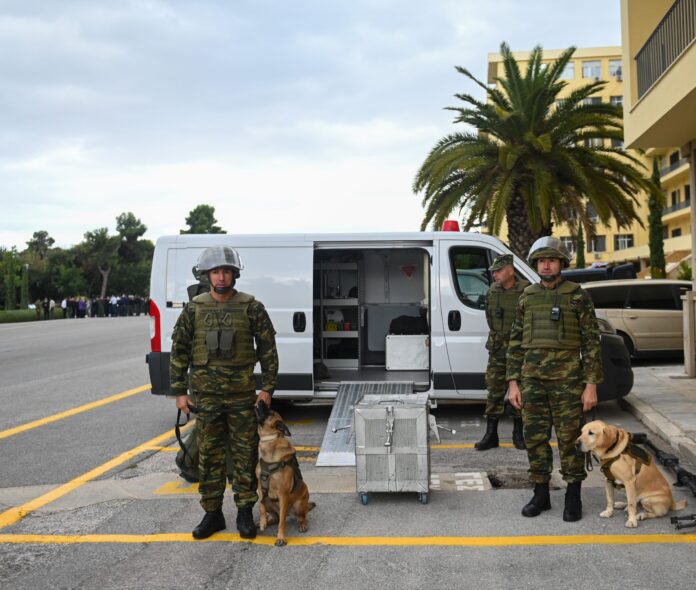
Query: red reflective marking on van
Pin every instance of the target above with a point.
(156, 339)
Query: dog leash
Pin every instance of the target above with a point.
(178, 425)
(588, 455)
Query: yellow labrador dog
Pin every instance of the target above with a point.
(624, 464)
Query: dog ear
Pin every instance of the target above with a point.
(283, 428)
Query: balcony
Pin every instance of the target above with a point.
(672, 36)
(673, 166)
(675, 207)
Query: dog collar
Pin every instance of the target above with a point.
(268, 437)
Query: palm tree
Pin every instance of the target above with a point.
(533, 158)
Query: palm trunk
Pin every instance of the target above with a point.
(521, 236)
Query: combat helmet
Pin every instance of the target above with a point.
(219, 257)
(548, 247)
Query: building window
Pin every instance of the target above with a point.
(591, 213)
(687, 193)
(592, 69)
(665, 232)
(568, 71)
(569, 242)
(597, 244)
(615, 68)
(617, 143)
(676, 232)
(675, 197)
(623, 241)
(594, 142)
(617, 101)
(673, 158)
(592, 100)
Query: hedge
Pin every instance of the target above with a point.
(26, 315)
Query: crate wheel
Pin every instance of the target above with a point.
(364, 498)
(423, 497)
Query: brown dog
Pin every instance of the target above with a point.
(624, 464)
(281, 488)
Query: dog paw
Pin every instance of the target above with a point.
(608, 513)
(280, 542)
(631, 524)
(302, 528)
(641, 516)
(620, 505)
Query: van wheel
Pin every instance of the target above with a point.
(629, 344)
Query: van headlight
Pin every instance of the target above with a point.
(605, 327)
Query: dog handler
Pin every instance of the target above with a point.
(214, 337)
(501, 305)
(554, 354)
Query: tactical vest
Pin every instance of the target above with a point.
(222, 331)
(501, 307)
(540, 330)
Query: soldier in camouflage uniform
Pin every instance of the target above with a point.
(214, 337)
(554, 354)
(501, 305)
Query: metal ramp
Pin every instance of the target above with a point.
(338, 448)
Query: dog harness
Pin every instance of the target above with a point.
(640, 455)
(268, 469)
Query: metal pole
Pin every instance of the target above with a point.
(690, 298)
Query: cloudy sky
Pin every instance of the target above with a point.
(286, 116)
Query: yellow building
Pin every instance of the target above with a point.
(659, 50)
(611, 244)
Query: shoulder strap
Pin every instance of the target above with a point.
(203, 298)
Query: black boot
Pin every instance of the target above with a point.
(518, 435)
(490, 439)
(541, 501)
(245, 523)
(573, 503)
(212, 522)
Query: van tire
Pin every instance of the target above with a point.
(629, 344)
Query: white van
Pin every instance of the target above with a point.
(406, 307)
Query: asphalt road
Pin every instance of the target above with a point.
(127, 524)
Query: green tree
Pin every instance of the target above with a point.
(655, 239)
(10, 268)
(532, 158)
(98, 252)
(24, 291)
(580, 256)
(40, 244)
(130, 229)
(201, 220)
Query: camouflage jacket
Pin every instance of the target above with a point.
(222, 379)
(550, 364)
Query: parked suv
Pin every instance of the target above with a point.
(646, 313)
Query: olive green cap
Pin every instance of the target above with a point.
(500, 261)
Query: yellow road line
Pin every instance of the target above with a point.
(67, 413)
(471, 445)
(15, 514)
(453, 541)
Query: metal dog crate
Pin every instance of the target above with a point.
(391, 444)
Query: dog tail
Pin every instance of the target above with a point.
(678, 505)
(311, 505)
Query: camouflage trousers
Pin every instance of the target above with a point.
(556, 403)
(227, 421)
(497, 386)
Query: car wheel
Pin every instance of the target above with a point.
(629, 344)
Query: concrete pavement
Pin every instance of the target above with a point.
(664, 399)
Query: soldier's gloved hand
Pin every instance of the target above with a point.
(514, 395)
(261, 411)
(182, 403)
